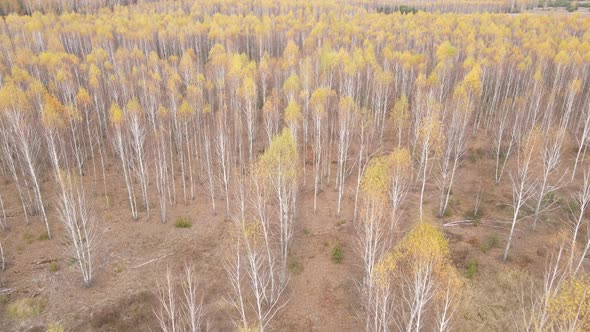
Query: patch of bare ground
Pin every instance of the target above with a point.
(322, 294)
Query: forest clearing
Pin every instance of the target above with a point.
(294, 165)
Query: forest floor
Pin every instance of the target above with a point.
(322, 294)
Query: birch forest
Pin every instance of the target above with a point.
(276, 165)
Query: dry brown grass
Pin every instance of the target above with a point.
(25, 308)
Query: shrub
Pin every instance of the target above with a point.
(474, 215)
(489, 243)
(402, 9)
(43, 236)
(72, 261)
(476, 155)
(471, 268)
(407, 10)
(183, 222)
(337, 254)
(28, 237)
(55, 327)
(571, 7)
(25, 308)
(53, 266)
(448, 212)
(295, 266)
(570, 206)
(551, 197)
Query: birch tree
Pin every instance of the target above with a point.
(26, 143)
(373, 235)
(81, 226)
(416, 285)
(137, 133)
(454, 145)
(575, 222)
(180, 301)
(429, 138)
(121, 149)
(346, 127)
(582, 137)
(551, 149)
(278, 170)
(319, 101)
(400, 182)
(523, 180)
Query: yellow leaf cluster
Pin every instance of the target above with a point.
(53, 112)
(431, 130)
(83, 98)
(292, 84)
(133, 107)
(375, 180)
(185, 110)
(116, 114)
(400, 114)
(248, 88)
(319, 98)
(473, 80)
(425, 243)
(401, 161)
(13, 97)
(572, 303)
(293, 113)
(248, 329)
(291, 54)
(252, 231)
(384, 268)
(346, 104)
(445, 51)
(280, 159)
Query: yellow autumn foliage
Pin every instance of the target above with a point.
(185, 110)
(375, 180)
(572, 303)
(115, 114)
(248, 88)
(401, 162)
(425, 243)
(279, 159)
(83, 98)
(293, 113)
(54, 112)
(319, 98)
(399, 114)
(292, 84)
(133, 106)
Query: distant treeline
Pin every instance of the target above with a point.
(567, 4)
(392, 9)
(27, 7)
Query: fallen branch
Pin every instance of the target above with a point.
(45, 261)
(458, 223)
(153, 260)
(3, 265)
(6, 291)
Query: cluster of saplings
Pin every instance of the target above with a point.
(250, 104)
